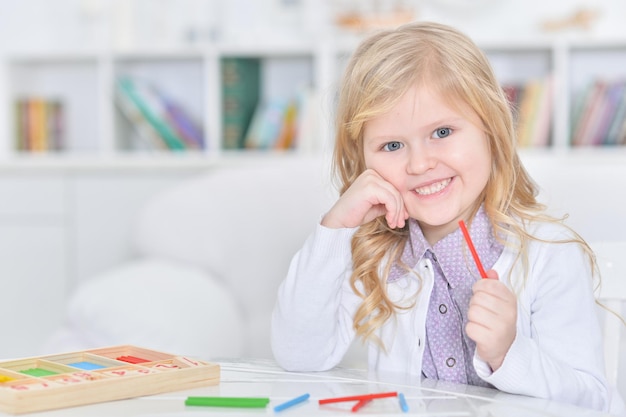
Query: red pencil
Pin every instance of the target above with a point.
(359, 405)
(358, 397)
(468, 239)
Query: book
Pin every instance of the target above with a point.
(286, 123)
(586, 111)
(614, 131)
(55, 125)
(144, 136)
(612, 97)
(142, 97)
(37, 137)
(513, 94)
(541, 124)
(39, 124)
(21, 143)
(308, 121)
(267, 125)
(289, 129)
(599, 113)
(241, 78)
(187, 128)
(529, 99)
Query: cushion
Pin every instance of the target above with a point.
(157, 304)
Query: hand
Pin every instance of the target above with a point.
(492, 319)
(370, 196)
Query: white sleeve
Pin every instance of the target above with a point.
(312, 319)
(557, 352)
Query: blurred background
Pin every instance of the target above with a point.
(40, 25)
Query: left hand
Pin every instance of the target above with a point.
(492, 319)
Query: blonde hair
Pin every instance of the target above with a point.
(381, 70)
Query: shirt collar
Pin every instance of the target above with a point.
(452, 250)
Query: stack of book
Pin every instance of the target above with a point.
(532, 104)
(39, 124)
(599, 114)
(284, 123)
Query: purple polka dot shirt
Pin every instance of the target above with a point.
(448, 351)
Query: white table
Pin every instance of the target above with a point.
(261, 378)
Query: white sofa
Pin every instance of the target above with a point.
(212, 251)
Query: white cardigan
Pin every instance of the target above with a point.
(557, 353)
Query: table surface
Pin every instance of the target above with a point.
(263, 378)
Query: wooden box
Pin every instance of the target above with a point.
(96, 375)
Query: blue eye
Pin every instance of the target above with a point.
(392, 146)
(442, 132)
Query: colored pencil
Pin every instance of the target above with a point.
(468, 239)
(360, 404)
(291, 403)
(358, 397)
(403, 405)
(240, 402)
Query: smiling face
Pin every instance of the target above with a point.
(436, 156)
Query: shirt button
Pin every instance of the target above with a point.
(450, 362)
(443, 309)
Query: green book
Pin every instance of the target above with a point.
(21, 124)
(165, 131)
(241, 79)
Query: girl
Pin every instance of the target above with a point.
(425, 139)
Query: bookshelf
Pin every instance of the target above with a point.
(95, 124)
(96, 131)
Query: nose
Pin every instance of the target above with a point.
(421, 159)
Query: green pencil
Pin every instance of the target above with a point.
(242, 402)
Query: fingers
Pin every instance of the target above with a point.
(492, 295)
(492, 306)
(491, 274)
(492, 320)
(369, 197)
(383, 196)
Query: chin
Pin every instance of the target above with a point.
(448, 223)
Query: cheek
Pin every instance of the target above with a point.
(392, 173)
(476, 156)
(387, 169)
(375, 161)
(481, 169)
(368, 160)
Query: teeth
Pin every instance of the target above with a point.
(433, 188)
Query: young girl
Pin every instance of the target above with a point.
(425, 139)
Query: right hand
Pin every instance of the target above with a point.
(370, 196)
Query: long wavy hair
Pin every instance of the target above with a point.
(381, 70)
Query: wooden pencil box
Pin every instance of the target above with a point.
(97, 375)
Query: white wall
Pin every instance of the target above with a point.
(79, 24)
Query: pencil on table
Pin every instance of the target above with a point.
(291, 403)
(239, 402)
(358, 397)
(360, 405)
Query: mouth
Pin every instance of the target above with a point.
(433, 188)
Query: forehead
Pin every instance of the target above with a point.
(425, 101)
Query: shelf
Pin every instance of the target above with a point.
(145, 162)
(192, 76)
